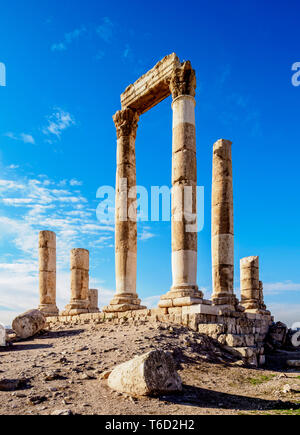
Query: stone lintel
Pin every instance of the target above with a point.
(152, 87)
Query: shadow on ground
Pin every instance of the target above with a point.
(203, 398)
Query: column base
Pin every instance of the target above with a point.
(181, 296)
(94, 310)
(124, 302)
(261, 311)
(227, 302)
(49, 310)
(76, 307)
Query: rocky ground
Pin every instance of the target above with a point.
(61, 372)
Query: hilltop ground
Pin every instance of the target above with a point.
(60, 371)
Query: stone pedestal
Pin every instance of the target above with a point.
(184, 291)
(79, 283)
(47, 273)
(222, 226)
(251, 286)
(93, 301)
(126, 297)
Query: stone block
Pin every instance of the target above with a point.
(152, 87)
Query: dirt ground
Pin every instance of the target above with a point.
(59, 372)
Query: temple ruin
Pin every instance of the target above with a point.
(241, 325)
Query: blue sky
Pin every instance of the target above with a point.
(67, 64)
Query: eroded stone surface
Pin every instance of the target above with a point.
(152, 87)
(47, 273)
(252, 298)
(2, 336)
(150, 374)
(222, 226)
(93, 301)
(79, 282)
(28, 324)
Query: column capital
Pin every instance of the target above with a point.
(183, 81)
(126, 122)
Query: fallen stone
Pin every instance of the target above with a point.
(105, 375)
(150, 374)
(62, 412)
(12, 384)
(28, 324)
(36, 400)
(293, 363)
(2, 336)
(286, 389)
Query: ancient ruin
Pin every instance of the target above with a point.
(251, 286)
(79, 282)
(242, 326)
(222, 226)
(47, 275)
(93, 301)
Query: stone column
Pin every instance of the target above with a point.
(79, 283)
(250, 291)
(126, 297)
(47, 273)
(261, 296)
(93, 301)
(184, 290)
(251, 286)
(222, 226)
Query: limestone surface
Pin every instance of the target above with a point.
(222, 226)
(47, 273)
(150, 374)
(28, 324)
(2, 336)
(152, 87)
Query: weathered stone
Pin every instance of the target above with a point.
(251, 287)
(79, 283)
(150, 374)
(2, 336)
(222, 226)
(126, 122)
(152, 87)
(93, 301)
(293, 363)
(277, 335)
(235, 340)
(184, 192)
(211, 329)
(12, 384)
(47, 273)
(28, 324)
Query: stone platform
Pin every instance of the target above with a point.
(241, 332)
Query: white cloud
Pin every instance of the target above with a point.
(146, 235)
(105, 29)
(75, 182)
(286, 313)
(100, 55)
(68, 39)
(151, 301)
(31, 205)
(278, 287)
(58, 121)
(127, 53)
(27, 138)
(23, 137)
(58, 47)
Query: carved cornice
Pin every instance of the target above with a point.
(126, 122)
(183, 81)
